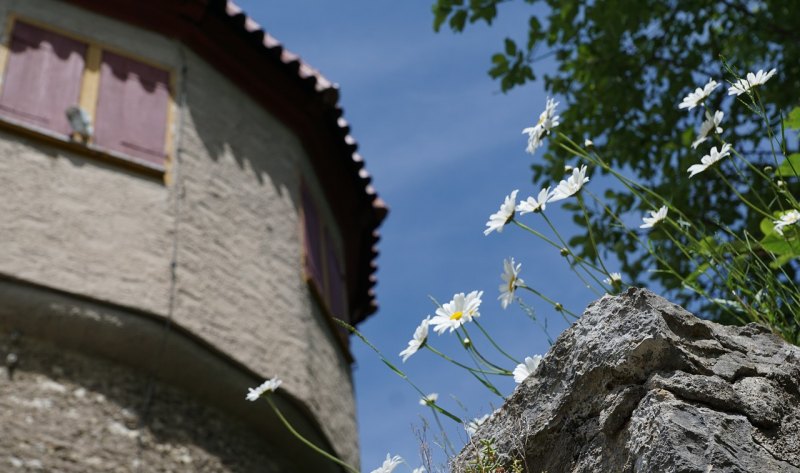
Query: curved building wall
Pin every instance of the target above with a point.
(229, 221)
(72, 413)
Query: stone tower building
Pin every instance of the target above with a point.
(182, 214)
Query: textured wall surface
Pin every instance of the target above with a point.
(65, 412)
(91, 228)
(638, 384)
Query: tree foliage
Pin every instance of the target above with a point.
(622, 67)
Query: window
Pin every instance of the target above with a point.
(322, 266)
(123, 103)
(42, 77)
(312, 232)
(132, 108)
(334, 277)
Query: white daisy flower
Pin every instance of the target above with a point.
(739, 87)
(760, 77)
(571, 186)
(511, 277)
(710, 159)
(547, 121)
(389, 464)
(696, 98)
(534, 205)
(269, 385)
(500, 218)
(523, 370)
(789, 218)
(709, 125)
(429, 399)
(418, 340)
(743, 85)
(655, 217)
(458, 311)
(472, 426)
(613, 279)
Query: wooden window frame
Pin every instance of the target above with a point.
(322, 293)
(87, 100)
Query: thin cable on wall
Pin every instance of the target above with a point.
(178, 194)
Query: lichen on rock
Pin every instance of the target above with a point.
(639, 384)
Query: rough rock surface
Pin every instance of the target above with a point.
(639, 384)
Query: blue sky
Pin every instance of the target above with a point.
(444, 147)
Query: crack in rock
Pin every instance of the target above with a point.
(639, 384)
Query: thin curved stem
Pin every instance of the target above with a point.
(306, 441)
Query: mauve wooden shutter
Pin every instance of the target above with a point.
(42, 77)
(312, 229)
(132, 108)
(336, 285)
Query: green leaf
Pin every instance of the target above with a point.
(781, 260)
(707, 246)
(697, 273)
(458, 20)
(511, 47)
(792, 122)
(782, 245)
(500, 67)
(790, 167)
(767, 226)
(441, 10)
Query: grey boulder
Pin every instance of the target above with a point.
(639, 384)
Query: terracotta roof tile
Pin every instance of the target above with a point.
(329, 93)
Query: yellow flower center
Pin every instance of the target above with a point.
(457, 315)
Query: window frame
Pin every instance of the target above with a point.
(326, 242)
(88, 100)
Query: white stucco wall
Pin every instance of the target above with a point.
(92, 228)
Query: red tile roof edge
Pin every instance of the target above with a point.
(328, 93)
(193, 22)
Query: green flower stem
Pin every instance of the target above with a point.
(391, 366)
(494, 344)
(585, 265)
(525, 227)
(739, 194)
(530, 313)
(447, 444)
(306, 441)
(763, 114)
(637, 189)
(591, 233)
(462, 365)
(482, 378)
(757, 194)
(483, 359)
(720, 262)
(551, 302)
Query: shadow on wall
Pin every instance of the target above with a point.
(228, 122)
